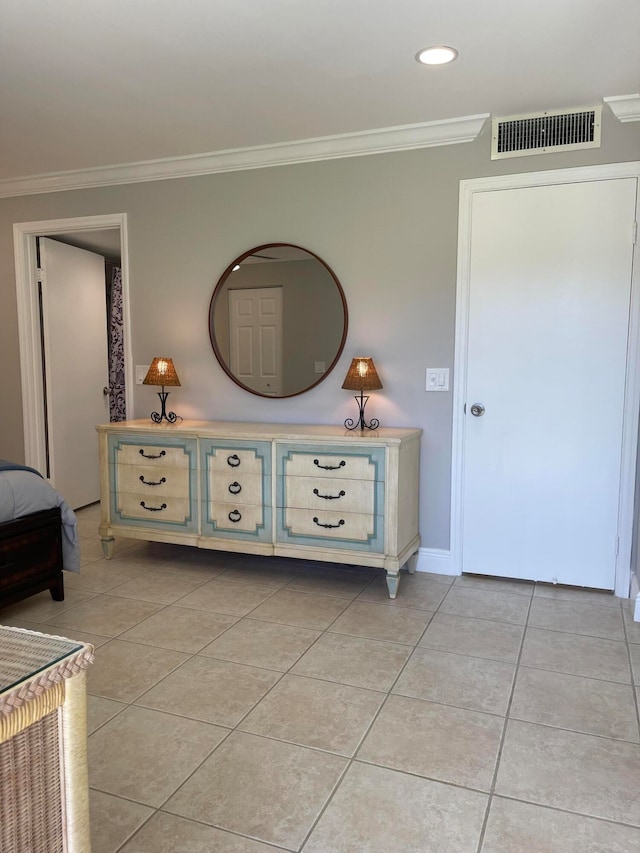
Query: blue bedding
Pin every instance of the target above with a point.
(24, 491)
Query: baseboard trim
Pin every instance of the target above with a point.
(435, 561)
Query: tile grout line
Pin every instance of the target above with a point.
(387, 694)
(132, 704)
(496, 768)
(190, 655)
(231, 730)
(354, 758)
(239, 722)
(415, 646)
(559, 810)
(366, 732)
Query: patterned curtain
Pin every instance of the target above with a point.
(117, 405)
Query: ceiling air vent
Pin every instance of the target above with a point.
(555, 130)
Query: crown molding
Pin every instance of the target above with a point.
(625, 107)
(384, 140)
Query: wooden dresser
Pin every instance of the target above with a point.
(311, 492)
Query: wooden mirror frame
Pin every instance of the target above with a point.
(214, 300)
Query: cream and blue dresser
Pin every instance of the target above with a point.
(310, 492)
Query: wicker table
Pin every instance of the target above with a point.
(43, 743)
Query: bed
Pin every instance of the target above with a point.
(38, 535)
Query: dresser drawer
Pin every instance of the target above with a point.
(236, 517)
(161, 481)
(328, 493)
(242, 488)
(234, 460)
(331, 526)
(330, 465)
(224, 461)
(153, 455)
(153, 509)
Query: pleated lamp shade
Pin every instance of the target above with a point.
(362, 376)
(161, 372)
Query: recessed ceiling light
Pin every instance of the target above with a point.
(437, 55)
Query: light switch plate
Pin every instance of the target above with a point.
(141, 372)
(320, 367)
(437, 379)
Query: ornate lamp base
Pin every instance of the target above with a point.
(158, 417)
(361, 424)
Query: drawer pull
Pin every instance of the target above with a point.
(235, 488)
(339, 524)
(147, 456)
(233, 461)
(153, 508)
(151, 483)
(234, 516)
(329, 467)
(329, 497)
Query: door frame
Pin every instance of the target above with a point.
(24, 245)
(632, 385)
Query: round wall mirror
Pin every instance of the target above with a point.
(278, 320)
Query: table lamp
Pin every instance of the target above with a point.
(162, 372)
(362, 376)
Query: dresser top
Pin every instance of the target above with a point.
(243, 429)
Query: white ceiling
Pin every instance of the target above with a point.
(85, 83)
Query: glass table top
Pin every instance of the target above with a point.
(24, 654)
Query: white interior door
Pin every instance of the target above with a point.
(74, 318)
(550, 281)
(255, 338)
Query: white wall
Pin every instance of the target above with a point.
(386, 225)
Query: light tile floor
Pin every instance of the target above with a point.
(243, 705)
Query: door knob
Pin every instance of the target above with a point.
(106, 391)
(477, 410)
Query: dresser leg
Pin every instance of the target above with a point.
(412, 562)
(393, 579)
(107, 546)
